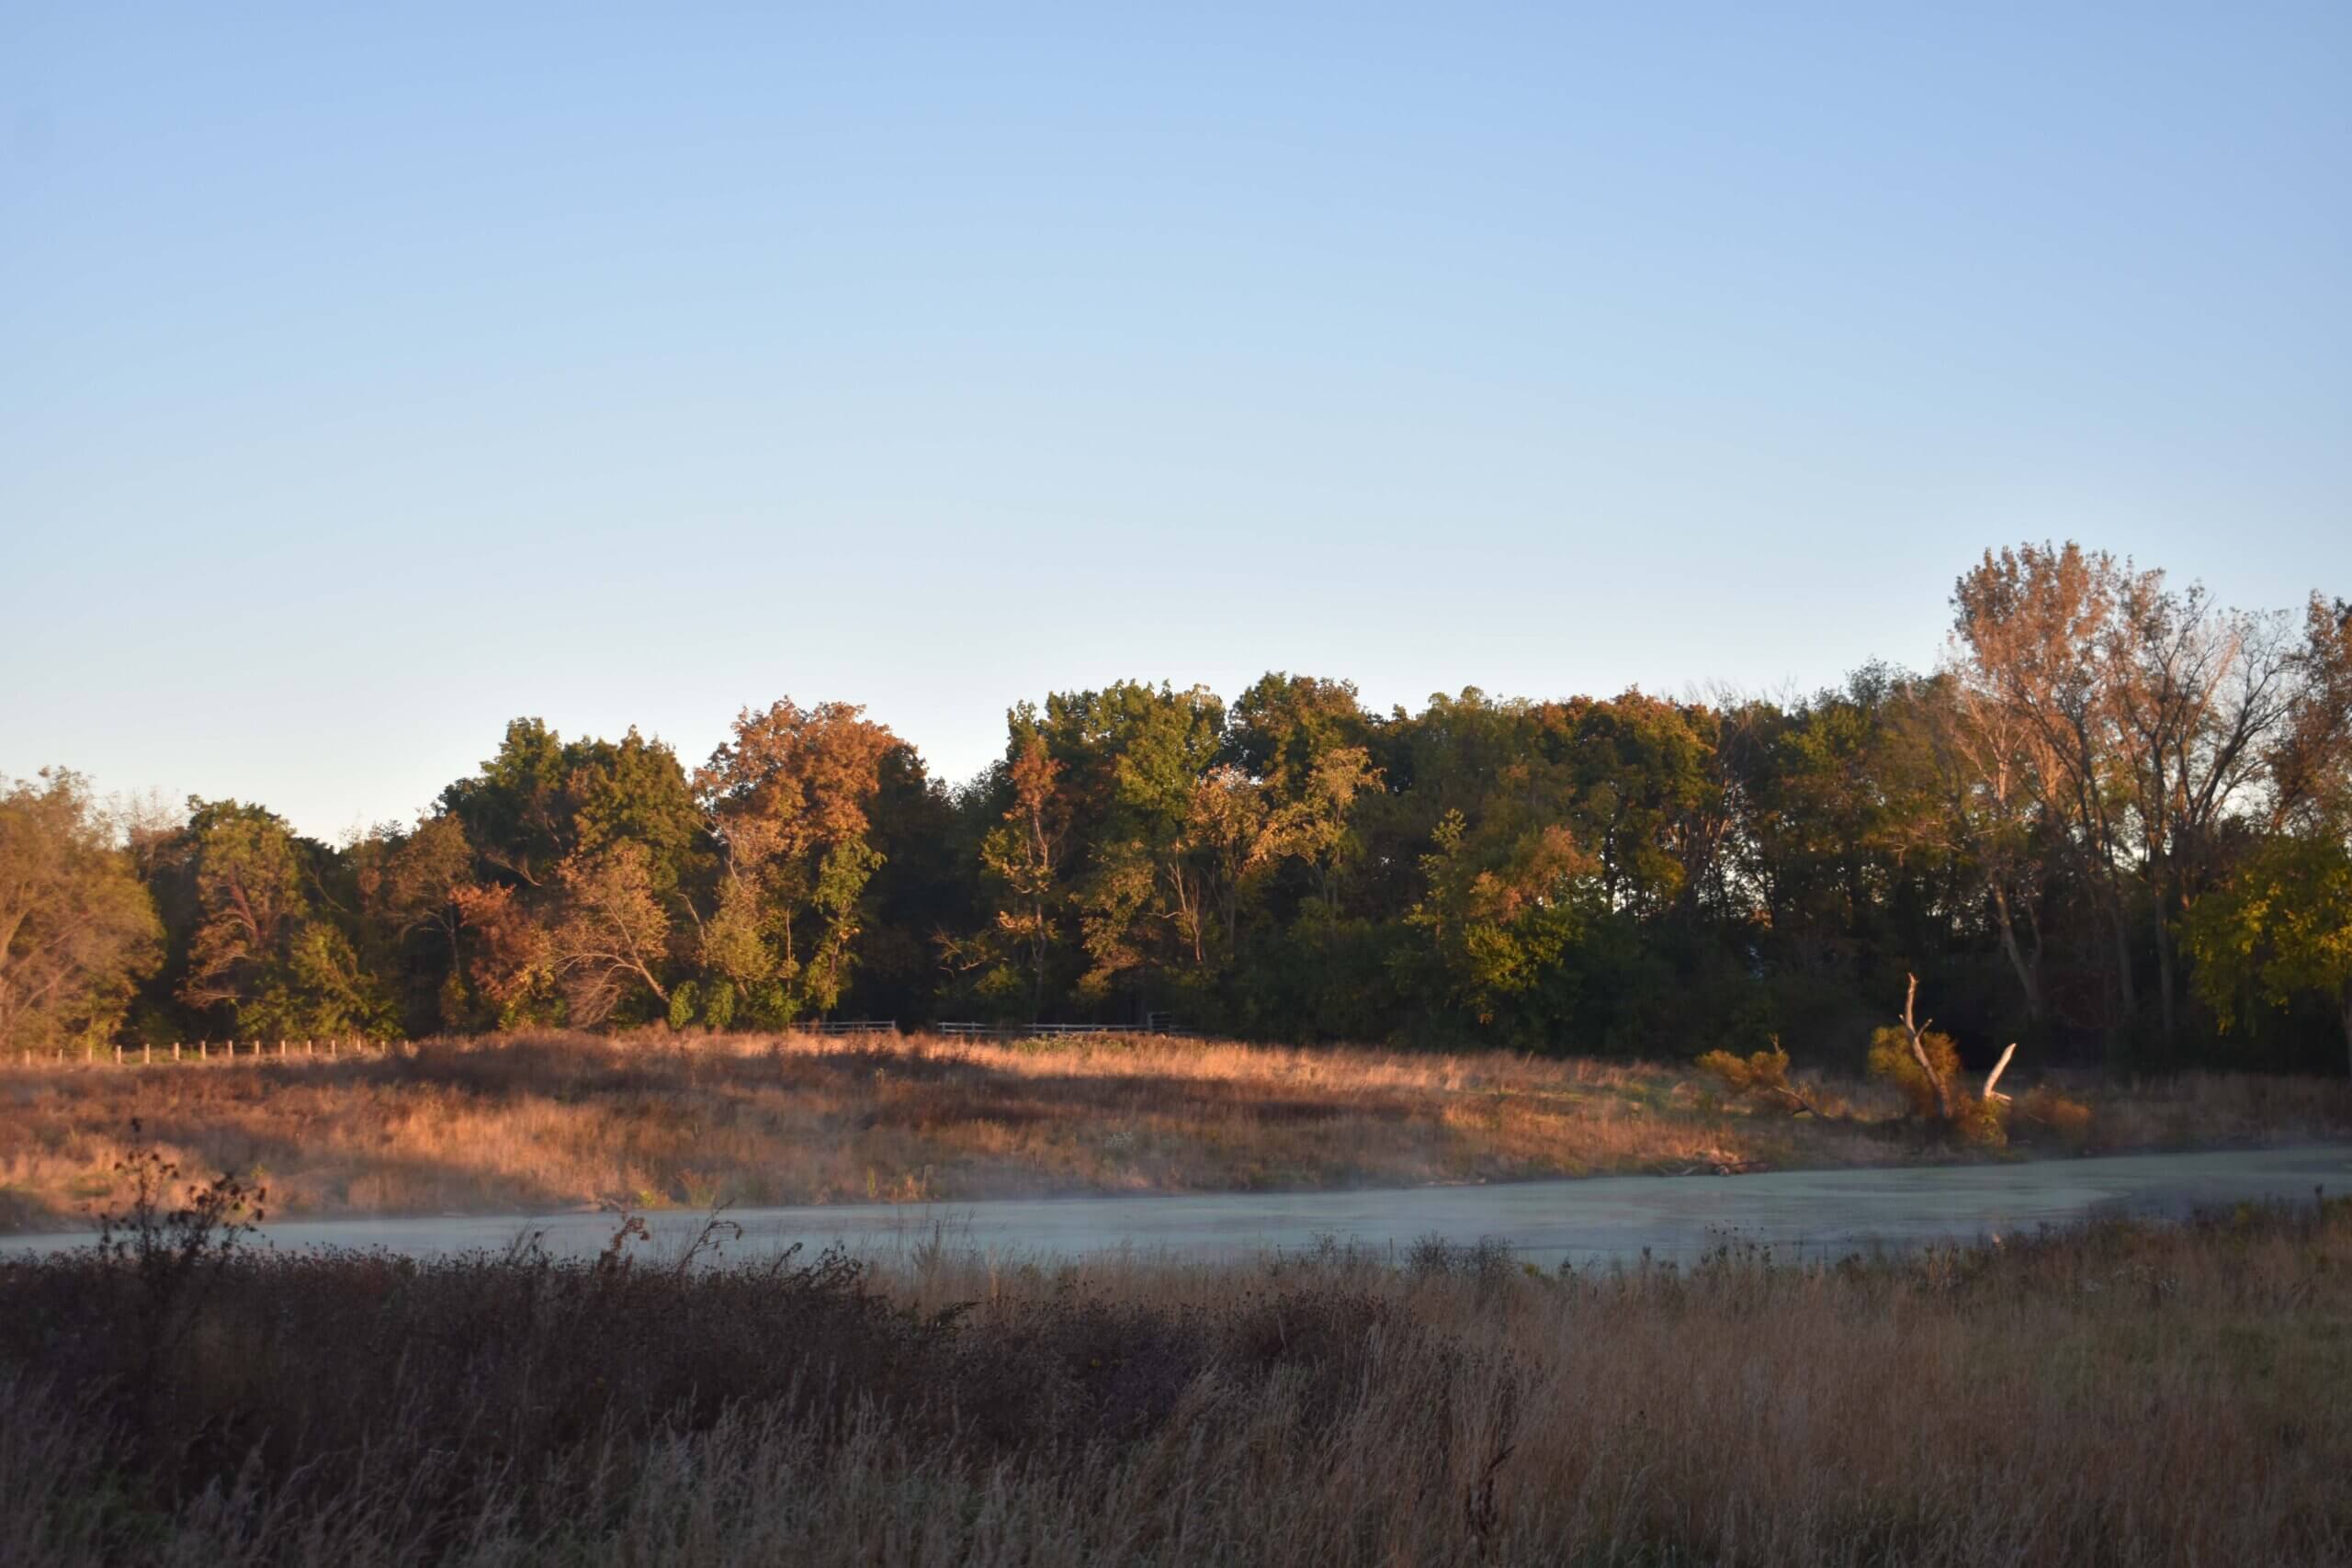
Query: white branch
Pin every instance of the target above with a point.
(1999, 1068)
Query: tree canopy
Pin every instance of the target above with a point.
(2116, 818)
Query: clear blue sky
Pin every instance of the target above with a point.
(367, 380)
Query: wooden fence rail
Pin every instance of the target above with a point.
(205, 1052)
(1031, 1030)
(208, 1053)
(224, 1051)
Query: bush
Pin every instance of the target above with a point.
(2070, 1119)
(1762, 1077)
(1890, 1060)
(1984, 1122)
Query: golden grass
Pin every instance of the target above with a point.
(540, 1122)
(2129, 1394)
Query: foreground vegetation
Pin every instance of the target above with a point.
(546, 1120)
(2122, 1394)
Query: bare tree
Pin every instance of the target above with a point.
(2143, 715)
(2196, 696)
(2036, 627)
(2310, 764)
(1982, 751)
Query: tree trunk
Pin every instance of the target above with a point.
(1038, 968)
(2348, 1022)
(2124, 981)
(2029, 973)
(2163, 973)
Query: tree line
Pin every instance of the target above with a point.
(2115, 821)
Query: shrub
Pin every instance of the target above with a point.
(2070, 1119)
(1982, 1121)
(1762, 1077)
(1890, 1060)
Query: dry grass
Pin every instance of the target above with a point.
(2125, 1394)
(540, 1122)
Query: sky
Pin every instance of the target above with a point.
(370, 379)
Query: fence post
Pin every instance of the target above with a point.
(176, 1050)
(203, 1050)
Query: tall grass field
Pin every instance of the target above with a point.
(537, 1121)
(2122, 1394)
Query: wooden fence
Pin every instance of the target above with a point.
(1032, 1030)
(224, 1051)
(189, 1051)
(208, 1053)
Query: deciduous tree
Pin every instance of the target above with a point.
(76, 927)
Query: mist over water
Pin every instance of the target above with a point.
(1599, 1221)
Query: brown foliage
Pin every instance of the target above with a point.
(2046, 1107)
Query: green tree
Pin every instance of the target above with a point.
(1504, 903)
(515, 811)
(1226, 844)
(1128, 759)
(413, 887)
(1315, 826)
(77, 930)
(1022, 855)
(266, 954)
(927, 887)
(565, 836)
(2279, 930)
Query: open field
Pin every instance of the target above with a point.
(2124, 1394)
(543, 1122)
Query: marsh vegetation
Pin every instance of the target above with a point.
(2124, 1393)
(542, 1121)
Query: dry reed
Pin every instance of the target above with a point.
(2125, 1394)
(542, 1122)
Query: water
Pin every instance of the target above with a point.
(1825, 1214)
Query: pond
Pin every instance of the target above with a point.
(1813, 1213)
